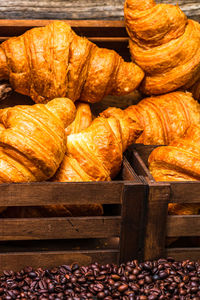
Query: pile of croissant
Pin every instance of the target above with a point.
(58, 140)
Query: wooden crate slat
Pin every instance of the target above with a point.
(156, 221)
(89, 28)
(188, 225)
(185, 192)
(183, 253)
(123, 41)
(132, 227)
(47, 193)
(59, 228)
(48, 259)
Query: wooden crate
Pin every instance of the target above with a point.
(106, 239)
(159, 225)
(48, 242)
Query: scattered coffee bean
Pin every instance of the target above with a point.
(162, 279)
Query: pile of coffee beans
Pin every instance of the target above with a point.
(161, 279)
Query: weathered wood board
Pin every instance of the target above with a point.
(80, 9)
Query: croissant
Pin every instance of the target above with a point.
(95, 154)
(165, 44)
(180, 161)
(52, 61)
(163, 118)
(33, 142)
(82, 119)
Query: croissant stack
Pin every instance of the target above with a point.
(95, 154)
(163, 118)
(180, 161)
(52, 61)
(165, 44)
(32, 140)
(82, 120)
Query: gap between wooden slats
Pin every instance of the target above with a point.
(59, 228)
(183, 253)
(48, 259)
(188, 225)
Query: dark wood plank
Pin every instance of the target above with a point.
(128, 172)
(89, 28)
(133, 225)
(139, 165)
(47, 193)
(82, 9)
(183, 226)
(59, 228)
(48, 259)
(144, 151)
(185, 192)
(184, 253)
(156, 221)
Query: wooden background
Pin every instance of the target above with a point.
(79, 9)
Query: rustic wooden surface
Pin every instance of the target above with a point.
(48, 259)
(183, 226)
(59, 228)
(183, 253)
(132, 222)
(79, 9)
(159, 225)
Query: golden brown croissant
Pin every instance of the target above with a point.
(82, 120)
(180, 161)
(33, 143)
(95, 154)
(52, 61)
(163, 117)
(165, 44)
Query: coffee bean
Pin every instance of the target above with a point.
(115, 277)
(162, 279)
(122, 288)
(100, 295)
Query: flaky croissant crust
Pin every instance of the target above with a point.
(95, 154)
(32, 140)
(52, 61)
(164, 118)
(83, 119)
(165, 44)
(178, 161)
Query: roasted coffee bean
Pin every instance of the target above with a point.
(163, 279)
(122, 288)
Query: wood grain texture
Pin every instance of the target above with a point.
(183, 226)
(183, 253)
(185, 192)
(49, 259)
(154, 244)
(79, 9)
(59, 228)
(47, 193)
(132, 222)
